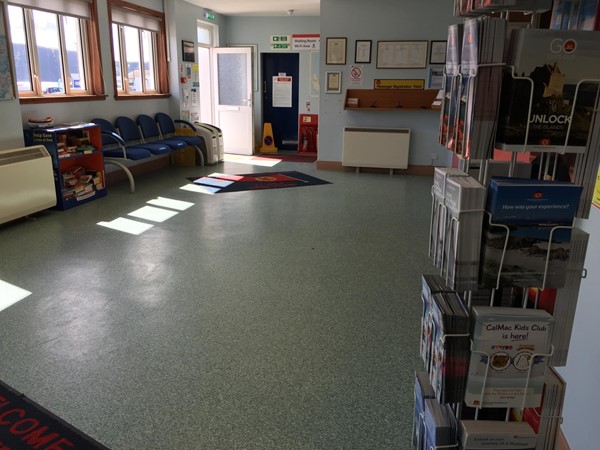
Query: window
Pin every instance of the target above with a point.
(138, 47)
(55, 47)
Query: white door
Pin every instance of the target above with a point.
(233, 100)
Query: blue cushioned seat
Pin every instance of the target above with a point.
(131, 134)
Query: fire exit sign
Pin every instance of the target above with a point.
(281, 42)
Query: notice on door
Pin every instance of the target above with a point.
(282, 92)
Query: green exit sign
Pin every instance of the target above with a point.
(281, 45)
(209, 16)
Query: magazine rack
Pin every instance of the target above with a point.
(548, 251)
(527, 379)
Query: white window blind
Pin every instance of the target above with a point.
(135, 19)
(74, 8)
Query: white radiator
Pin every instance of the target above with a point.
(26, 182)
(386, 148)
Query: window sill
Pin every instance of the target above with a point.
(61, 99)
(140, 96)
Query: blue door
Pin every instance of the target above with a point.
(278, 110)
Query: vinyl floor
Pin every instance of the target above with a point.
(279, 319)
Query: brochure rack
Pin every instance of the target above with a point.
(440, 217)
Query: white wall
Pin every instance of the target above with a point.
(381, 20)
(583, 365)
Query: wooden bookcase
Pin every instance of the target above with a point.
(390, 99)
(77, 161)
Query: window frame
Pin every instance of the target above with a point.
(160, 65)
(91, 70)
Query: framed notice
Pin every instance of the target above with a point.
(333, 82)
(188, 51)
(402, 54)
(362, 52)
(437, 54)
(335, 51)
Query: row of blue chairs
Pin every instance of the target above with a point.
(127, 139)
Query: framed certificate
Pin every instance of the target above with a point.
(362, 52)
(335, 51)
(437, 55)
(333, 82)
(402, 54)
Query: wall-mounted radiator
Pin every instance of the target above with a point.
(385, 148)
(26, 182)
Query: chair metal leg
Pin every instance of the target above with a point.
(125, 169)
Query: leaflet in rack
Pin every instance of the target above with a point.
(560, 68)
(487, 434)
(527, 238)
(451, 87)
(509, 356)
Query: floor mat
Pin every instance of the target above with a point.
(218, 183)
(25, 424)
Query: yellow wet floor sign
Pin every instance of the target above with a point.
(268, 142)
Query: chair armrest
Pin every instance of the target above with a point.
(118, 139)
(186, 123)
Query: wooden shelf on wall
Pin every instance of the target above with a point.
(390, 99)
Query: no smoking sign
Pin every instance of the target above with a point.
(356, 74)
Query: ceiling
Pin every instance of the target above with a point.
(261, 7)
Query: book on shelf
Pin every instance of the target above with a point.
(555, 65)
(509, 354)
(490, 434)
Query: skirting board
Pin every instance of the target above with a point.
(411, 170)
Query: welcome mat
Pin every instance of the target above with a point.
(26, 425)
(218, 183)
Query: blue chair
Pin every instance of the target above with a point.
(151, 133)
(131, 134)
(168, 130)
(113, 145)
(115, 150)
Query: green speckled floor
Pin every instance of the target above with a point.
(279, 319)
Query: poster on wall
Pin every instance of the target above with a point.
(282, 92)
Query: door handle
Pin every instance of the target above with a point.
(264, 87)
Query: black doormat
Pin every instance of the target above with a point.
(26, 425)
(218, 183)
